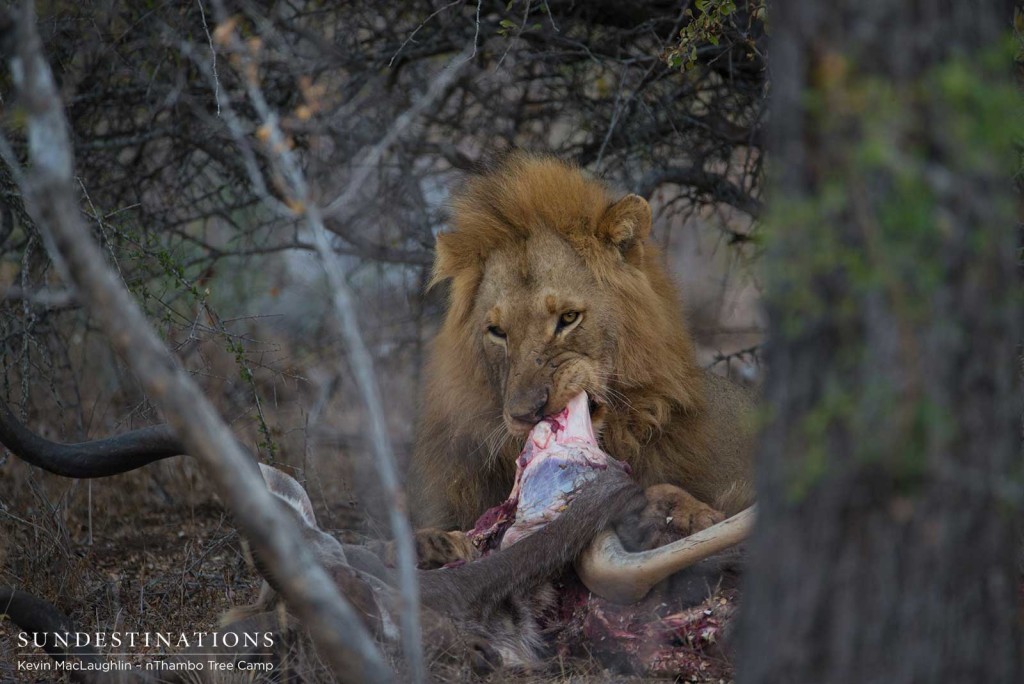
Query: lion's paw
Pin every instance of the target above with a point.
(672, 513)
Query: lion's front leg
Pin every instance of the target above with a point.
(671, 513)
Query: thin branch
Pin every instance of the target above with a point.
(46, 298)
(713, 184)
(416, 30)
(369, 162)
(476, 36)
(213, 56)
(360, 360)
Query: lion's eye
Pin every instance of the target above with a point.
(495, 331)
(567, 319)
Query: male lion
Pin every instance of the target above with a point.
(554, 288)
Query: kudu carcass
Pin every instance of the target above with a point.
(570, 503)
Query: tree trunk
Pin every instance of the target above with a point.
(889, 481)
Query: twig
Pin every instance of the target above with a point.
(213, 56)
(370, 161)
(44, 297)
(423, 23)
(739, 354)
(476, 36)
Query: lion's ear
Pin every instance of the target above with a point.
(457, 262)
(446, 261)
(626, 225)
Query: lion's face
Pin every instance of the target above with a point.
(554, 289)
(543, 330)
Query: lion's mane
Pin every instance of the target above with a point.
(667, 414)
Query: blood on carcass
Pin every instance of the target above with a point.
(561, 454)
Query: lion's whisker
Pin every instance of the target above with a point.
(496, 452)
(485, 442)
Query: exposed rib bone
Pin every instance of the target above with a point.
(620, 576)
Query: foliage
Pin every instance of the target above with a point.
(701, 38)
(892, 152)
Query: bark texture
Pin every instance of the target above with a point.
(889, 472)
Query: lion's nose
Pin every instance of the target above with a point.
(528, 406)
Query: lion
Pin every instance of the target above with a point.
(555, 288)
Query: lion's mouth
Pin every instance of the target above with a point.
(519, 428)
(596, 407)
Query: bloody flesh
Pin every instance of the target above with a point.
(560, 456)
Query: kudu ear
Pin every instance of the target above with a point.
(286, 488)
(625, 226)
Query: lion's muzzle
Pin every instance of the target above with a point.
(525, 407)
